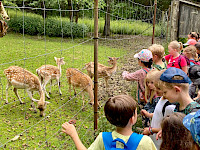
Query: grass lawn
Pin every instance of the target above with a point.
(35, 132)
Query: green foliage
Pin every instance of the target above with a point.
(183, 40)
(35, 25)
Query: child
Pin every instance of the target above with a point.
(174, 59)
(120, 111)
(194, 75)
(145, 61)
(198, 49)
(162, 109)
(192, 39)
(158, 52)
(174, 135)
(176, 90)
(192, 123)
(191, 53)
(150, 95)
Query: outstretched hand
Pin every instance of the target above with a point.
(69, 129)
(159, 135)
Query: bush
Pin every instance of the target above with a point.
(35, 26)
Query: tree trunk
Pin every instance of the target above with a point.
(106, 31)
(70, 12)
(76, 13)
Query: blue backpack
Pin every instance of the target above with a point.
(132, 143)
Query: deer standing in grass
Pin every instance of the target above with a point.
(21, 78)
(103, 71)
(78, 79)
(48, 73)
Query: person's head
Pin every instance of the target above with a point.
(194, 74)
(150, 89)
(174, 134)
(174, 47)
(158, 52)
(158, 83)
(144, 58)
(175, 83)
(192, 123)
(120, 109)
(193, 35)
(197, 45)
(190, 52)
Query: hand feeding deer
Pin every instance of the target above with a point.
(48, 73)
(103, 71)
(78, 79)
(21, 78)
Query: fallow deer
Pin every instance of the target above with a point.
(21, 78)
(48, 73)
(103, 71)
(3, 28)
(3, 12)
(79, 79)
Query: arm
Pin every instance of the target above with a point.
(147, 132)
(71, 131)
(146, 114)
(135, 76)
(185, 69)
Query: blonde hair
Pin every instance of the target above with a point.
(157, 49)
(150, 77)
(191, 50)
(157, 82)
(176, 45)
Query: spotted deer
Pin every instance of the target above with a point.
(21, 78)
(3, 12)
(48, 73)
(103, 71)
(81, 80)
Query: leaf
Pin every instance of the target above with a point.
(15, 138)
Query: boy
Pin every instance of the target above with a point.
(176, 90)
(158, 52)
(120, 111)
(162, 109)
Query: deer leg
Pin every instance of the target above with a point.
(74, 90)
(106, 80)
(15, 91)
(83, 99)
(50, 86)
(44, 85)
(58, 82)
(32, 99)
(7, 87)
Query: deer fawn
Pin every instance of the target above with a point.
(20, 78)
(103, 71)
(78, 79)
(49, 72)
(3, 12)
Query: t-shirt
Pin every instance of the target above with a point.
(192, 107)
(145, 144)
(173, 62)
(159, 67)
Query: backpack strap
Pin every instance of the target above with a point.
(132, 143)
(165, 105)
(134, 140)
(146, 70)
(179, 61)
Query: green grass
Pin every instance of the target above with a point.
(31, 52)
(129, 27)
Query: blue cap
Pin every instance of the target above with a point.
(192, 123)
(170, 73)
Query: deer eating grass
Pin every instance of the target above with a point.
(103, 71)
(21, 78)
(48, 73)
(78, 79)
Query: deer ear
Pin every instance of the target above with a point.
(62, 57)
(117, 58)
(0, 3)
(47, 102)
(110, 58)
(55, 58)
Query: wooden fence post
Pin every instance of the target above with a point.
(174, 19)
(154, 21)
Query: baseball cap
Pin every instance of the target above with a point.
(194, 74)
(171, 73)
(190, 42)
(144, 55)
(192, 123)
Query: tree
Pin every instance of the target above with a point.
(106, 31)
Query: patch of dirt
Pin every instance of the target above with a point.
(117, 85)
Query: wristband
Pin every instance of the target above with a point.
(150, 130)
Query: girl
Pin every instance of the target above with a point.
(191, 53)
(174, 59)
(150, 94)
(145, 62)
(174, 134)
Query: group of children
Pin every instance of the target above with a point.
(163, 93)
